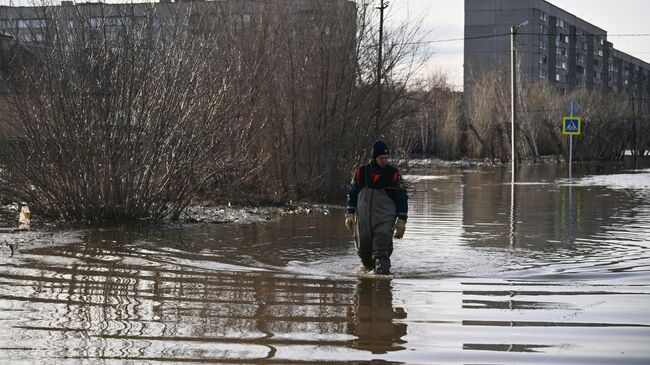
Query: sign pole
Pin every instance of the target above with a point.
(571, 126)
(571, 148)
(570, 154)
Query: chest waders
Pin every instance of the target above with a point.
(373, 238)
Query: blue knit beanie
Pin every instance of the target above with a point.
(379, 148)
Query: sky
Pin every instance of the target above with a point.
(444, 19)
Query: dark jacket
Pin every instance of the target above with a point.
(375, 177)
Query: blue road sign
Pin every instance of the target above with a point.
(571, 125)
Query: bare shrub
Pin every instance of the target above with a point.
(488, 115)
(451, 136)
(129, 110)
(608, 127)
(124, 120)
(435, 124)
(605, 126)
(321, 95)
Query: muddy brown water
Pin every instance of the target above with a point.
(545, 271)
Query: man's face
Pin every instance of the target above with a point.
(382, 160)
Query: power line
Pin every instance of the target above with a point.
(508, 34)
(456, 39)
(438, 52)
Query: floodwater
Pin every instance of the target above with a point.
(545, 271)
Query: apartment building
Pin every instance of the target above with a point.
(555, 45)
(27, 28)
(31, 24)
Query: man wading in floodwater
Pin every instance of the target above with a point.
(378, 197)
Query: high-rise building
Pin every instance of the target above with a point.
(554, 45)
(30, 24)
(27, 28)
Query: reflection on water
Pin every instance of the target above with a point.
(372, 318)
(543, 271)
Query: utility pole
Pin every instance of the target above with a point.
(634, 151)
(571, 151)
(380, 65)
(636, 123)
(513, 100)
(513, 94)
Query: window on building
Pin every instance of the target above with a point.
(599, 41)
(561, 51)
(95, 21)
(31, 23)
(542, 59)
(561, 38)
(114, 21)
(543, 16)
(581, 82)
(543, 29)
(7, 24)
(543, 45)
(580, 58)
(560, 23)
(581, 33)
(542, 73)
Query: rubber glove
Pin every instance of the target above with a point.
(350, 221)
(400, 227)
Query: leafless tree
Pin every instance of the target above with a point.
(130, 111)
(322, 94)
(435, 125)
(605, 126)
(116, 121)
(488, 118)
(607, 120)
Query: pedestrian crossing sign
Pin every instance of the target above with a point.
(571, 125)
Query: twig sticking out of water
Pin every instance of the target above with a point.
(11, 246)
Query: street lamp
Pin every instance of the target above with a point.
(380, 65)
(513, 93)
(635, 126)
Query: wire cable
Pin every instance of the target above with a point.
(518, 33)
